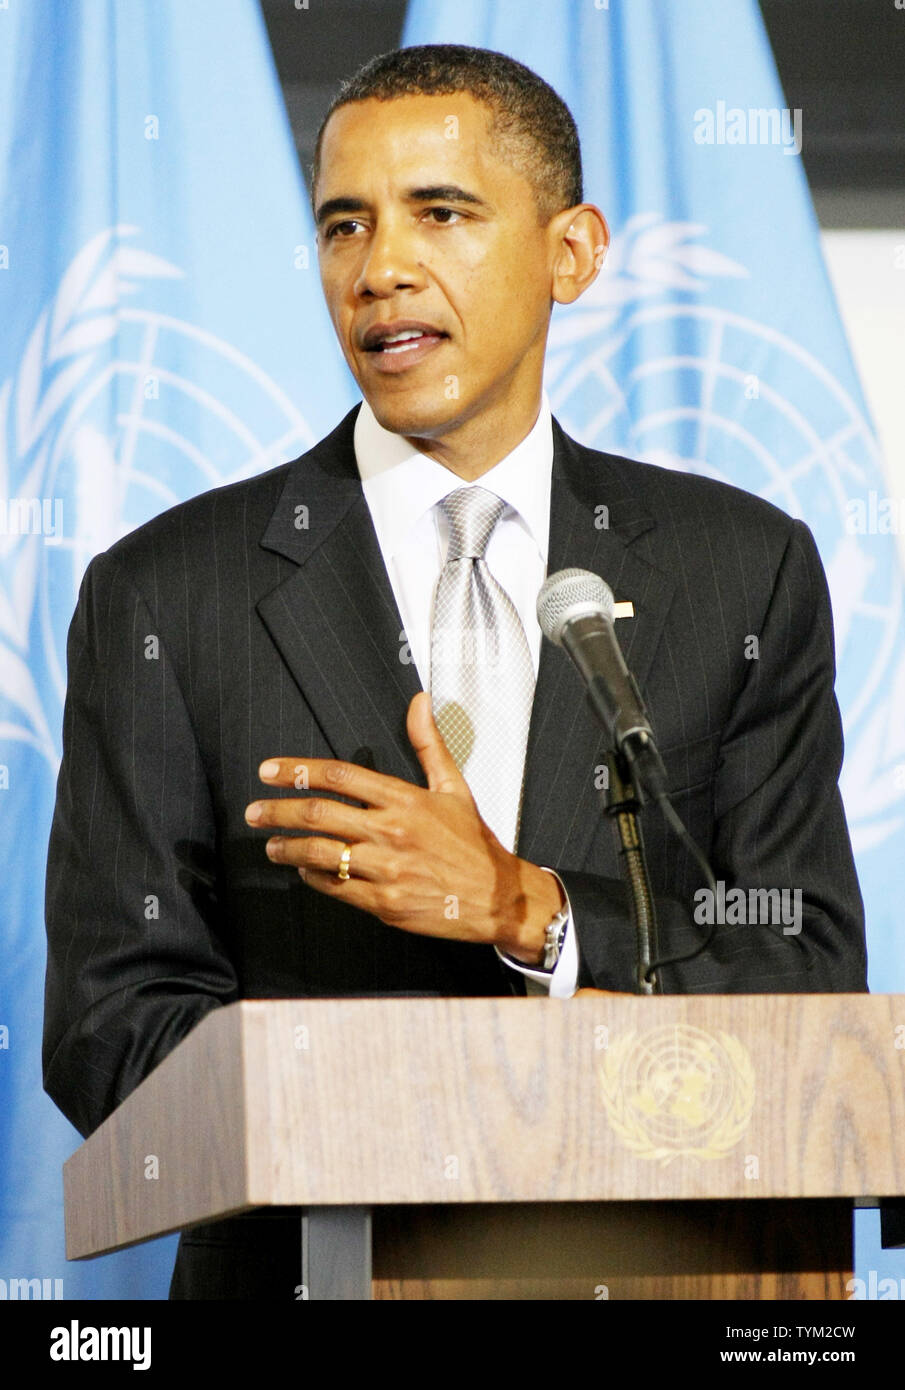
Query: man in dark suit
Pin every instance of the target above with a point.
(285, 621)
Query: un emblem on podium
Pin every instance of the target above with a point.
(678, 1091)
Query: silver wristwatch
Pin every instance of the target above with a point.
(554, 935)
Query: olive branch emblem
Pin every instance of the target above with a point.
(639, 1106)
(60, 351)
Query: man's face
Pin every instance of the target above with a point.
(434, 233)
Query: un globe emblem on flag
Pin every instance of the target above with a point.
(115, 412)
(678, 1091)
(644, 365)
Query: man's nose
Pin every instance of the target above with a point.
(391, 262)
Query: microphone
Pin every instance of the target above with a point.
(575, 611)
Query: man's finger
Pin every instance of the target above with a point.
(320, 814)
(357, 892)
(323, 857)
(587, 991)
(433, 755)
(331, 775)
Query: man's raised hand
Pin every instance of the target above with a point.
(422, 859)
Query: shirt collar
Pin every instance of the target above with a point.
(401, 484)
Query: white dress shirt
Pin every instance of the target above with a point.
(402, 488)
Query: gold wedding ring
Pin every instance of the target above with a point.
(345, 858)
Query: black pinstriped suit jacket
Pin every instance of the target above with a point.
(228, 629)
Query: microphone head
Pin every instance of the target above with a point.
(571, 594)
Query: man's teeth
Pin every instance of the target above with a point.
(404, 341)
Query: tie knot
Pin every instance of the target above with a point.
(472, 512)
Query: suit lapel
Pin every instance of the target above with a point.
(335, 620)
(561, 807)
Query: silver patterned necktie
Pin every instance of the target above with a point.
(482, 675)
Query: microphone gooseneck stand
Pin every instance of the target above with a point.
(622, 805)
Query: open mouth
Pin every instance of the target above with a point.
(406, 340)
(399, 351)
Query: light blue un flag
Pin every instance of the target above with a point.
(163, 332)
(711, 340)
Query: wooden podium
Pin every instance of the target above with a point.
(608, 1146)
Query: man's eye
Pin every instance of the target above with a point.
(337, 228)
(443, 215)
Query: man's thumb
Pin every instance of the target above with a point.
(435, 758)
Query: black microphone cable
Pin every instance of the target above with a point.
(677, 825)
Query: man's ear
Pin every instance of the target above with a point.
(579, 239)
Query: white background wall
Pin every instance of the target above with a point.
(867, 269)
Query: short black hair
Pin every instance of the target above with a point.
(531, 124)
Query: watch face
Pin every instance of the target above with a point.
(553, 939)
